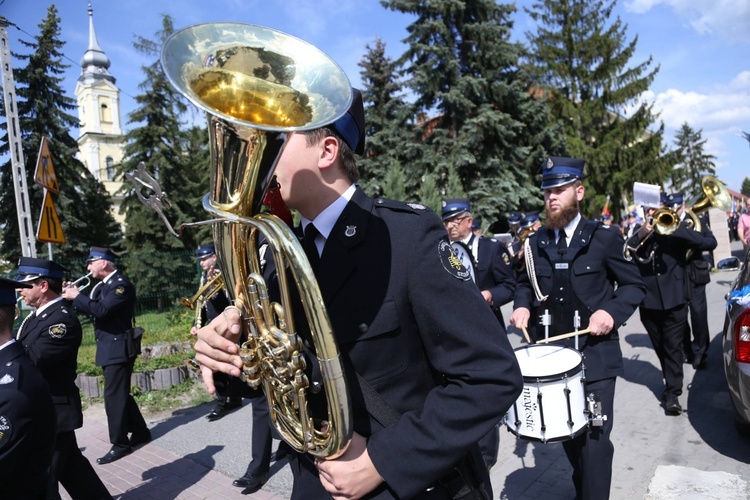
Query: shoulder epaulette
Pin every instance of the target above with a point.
(401, 206)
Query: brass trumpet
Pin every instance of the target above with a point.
(205, 292)
(87, 278)
(257, 86)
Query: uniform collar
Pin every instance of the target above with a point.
(47, 305)
(571, 227)
(109, 276)
(7, 344)
(326, 219)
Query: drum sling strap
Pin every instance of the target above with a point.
(460, 482)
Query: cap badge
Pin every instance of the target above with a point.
(7, 379)
(350, 231)
(550, 163)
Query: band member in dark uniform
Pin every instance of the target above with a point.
(27, 415)
(51, 336)
(408, 320)
(661, 255)
(699, 275)
(210, 308)
(112, 304)
(576, 264)
(489, 263)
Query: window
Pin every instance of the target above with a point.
(110, 168)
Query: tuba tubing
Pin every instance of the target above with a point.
(257, 86)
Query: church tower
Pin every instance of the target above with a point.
(101, 142)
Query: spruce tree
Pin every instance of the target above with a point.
(159, 260)
(745, 189)
(692, 163)
(83, 205)
(485, 119)
(388, 129)
(581, 58)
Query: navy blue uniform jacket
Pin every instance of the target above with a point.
(419, 332)
(494, 273)
(112, 305)
(27, 426)
(598, 264)
(665, 274)
(52, 340)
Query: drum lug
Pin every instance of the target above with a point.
(594, 411)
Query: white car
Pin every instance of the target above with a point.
(736, 347)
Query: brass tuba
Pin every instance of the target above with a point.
(713, 195)
(257, 86)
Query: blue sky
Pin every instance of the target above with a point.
(701, 46)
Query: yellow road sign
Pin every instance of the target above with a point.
(49, 229)
(44, 175)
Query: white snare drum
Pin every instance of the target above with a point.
(552, 405)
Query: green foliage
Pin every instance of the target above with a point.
(745, 190)
(488, 125)
(178, 159)
(83, 204)
(692, 163)
(580, 61)
(189, 393)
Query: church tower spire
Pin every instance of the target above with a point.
(101, 142)
(95, 63)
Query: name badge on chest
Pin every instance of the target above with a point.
(561, 265)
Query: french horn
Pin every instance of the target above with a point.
(257, 86)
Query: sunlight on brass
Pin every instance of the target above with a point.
(258, 86)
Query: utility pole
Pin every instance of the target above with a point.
(25, 226)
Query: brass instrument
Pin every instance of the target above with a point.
(257, 86)
(713, 195)
(666, 220)
(87, 278)
(205, 291)
(525, 233)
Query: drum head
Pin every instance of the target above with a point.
(548, 362)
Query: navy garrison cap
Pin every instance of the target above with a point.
(454, 206)
(30, 269)
(515, 217)
(8, 291)
(663, 198)
(559, 171)
(529, 219)
(675, 199)
(351, 126)
(606, 216)
(205, 251)
(97, 253)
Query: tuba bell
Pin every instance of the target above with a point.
(713, 195)
(257, 86)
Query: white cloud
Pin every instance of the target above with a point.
(728, 19)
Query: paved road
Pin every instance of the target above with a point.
(658, 457)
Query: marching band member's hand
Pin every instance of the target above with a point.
(487, 296)
(352, 475)
(601, 323)
(69, 293)
(216, 348)
(520, 318)
(193, 330)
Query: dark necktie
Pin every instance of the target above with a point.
(562, 243)
(308, 244)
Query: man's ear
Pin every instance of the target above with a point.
(329, 151)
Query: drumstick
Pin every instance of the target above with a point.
(526, 334)
(564, 336)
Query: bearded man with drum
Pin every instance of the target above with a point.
(575, 265)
